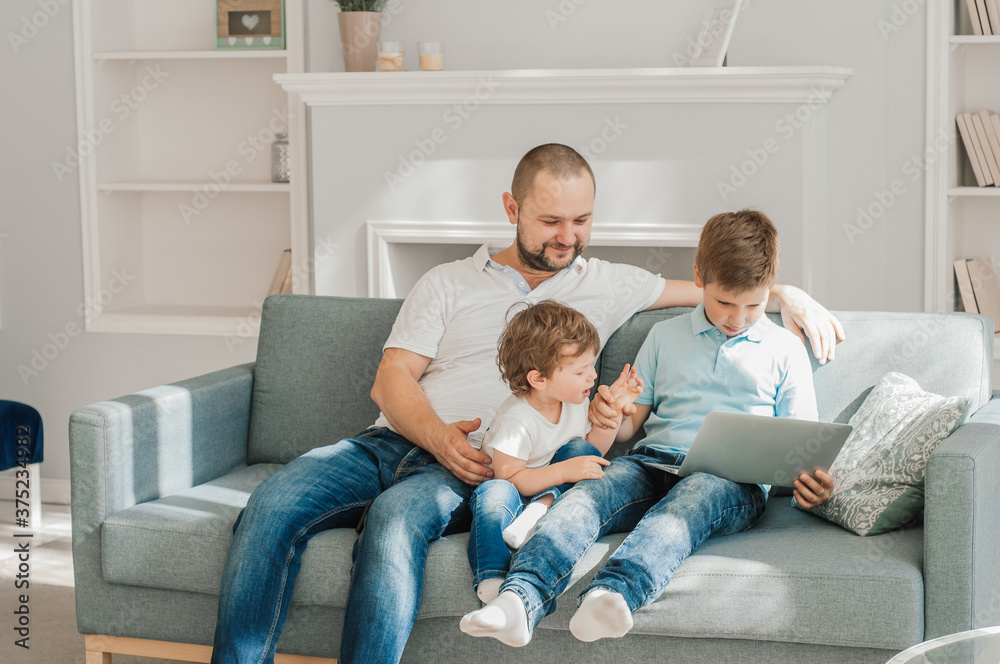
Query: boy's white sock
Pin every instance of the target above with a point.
(504, 619)
(602, 614)
(521, 528)
(489, 589)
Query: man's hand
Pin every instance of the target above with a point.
(801, 313)
(813, 490)
(582, 468)
(453, 451)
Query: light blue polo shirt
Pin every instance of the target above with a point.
(690, 368)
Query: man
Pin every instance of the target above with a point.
(437, 386)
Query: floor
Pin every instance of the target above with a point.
(53, 638)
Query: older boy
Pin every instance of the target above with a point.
(536, 440)
(725, 355)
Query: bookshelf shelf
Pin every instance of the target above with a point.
(100, 56)
(260, 186)
(974, 39)
(973, 191)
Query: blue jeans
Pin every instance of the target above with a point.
(669, 518)
(495, 504)
(416, 501)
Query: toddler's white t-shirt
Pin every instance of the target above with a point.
(520, 431)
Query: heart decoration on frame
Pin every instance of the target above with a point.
(250, 24)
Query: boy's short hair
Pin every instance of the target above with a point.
(537, 338)
(560, 160)
(738, 251)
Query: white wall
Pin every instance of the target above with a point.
(875, 128)
(877, 121)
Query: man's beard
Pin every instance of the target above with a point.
(538, 260)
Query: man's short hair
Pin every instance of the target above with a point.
(738, 251)
(538, 337)
(560, 160)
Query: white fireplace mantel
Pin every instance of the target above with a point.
(570, 86)
(740, 96)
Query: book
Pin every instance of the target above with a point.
(978, 149)
(963, 130)
(965, 286)
(977, 28)
(984, 20)
(992, 135)
(986, 289)
(993, 11)
(282, 280)
(988, 150)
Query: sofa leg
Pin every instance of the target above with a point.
(95, 657)
(100, 648)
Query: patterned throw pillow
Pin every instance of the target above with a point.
(879, 474)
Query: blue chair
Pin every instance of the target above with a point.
(21, 427)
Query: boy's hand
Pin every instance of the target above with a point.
(626, 389)
(813, 490)
(610, 404)
(582, 468)
(602, 413)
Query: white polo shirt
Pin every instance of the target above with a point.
(456, 312)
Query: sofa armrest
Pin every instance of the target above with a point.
(961, 538)
(157, 442)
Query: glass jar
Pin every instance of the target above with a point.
(279, 158)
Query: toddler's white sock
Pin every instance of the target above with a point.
(602, 614)
(521, 528)
(504, 619)
(489, 589)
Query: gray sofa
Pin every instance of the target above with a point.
(158, 478)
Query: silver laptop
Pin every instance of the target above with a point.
(756, 449)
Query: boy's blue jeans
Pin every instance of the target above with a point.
(418, 501)
(669, 518)
(495, 504)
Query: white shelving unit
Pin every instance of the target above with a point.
(962, 220)
(182, 226)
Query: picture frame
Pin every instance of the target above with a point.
(250, 24)
(709, 48)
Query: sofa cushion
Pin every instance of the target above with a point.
(879, 474)
(793, 577)
(316, 362)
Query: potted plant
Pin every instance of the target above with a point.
(360, 24)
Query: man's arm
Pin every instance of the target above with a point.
(800, 313)
(405, 405)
